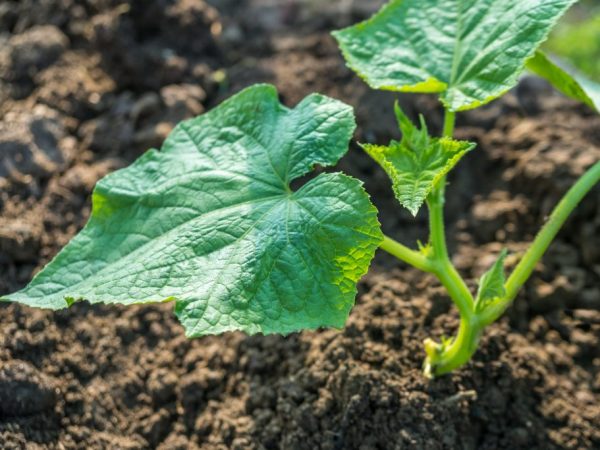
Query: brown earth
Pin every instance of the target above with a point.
(87, 85)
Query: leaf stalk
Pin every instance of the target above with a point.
(559, 215)
(406, 254)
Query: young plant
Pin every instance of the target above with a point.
(211, 222)
(470, 52)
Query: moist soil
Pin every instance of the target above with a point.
(87, 85)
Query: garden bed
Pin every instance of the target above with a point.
(87, 86)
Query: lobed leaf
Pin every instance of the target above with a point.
(469, 51)
(569, 82)
(211, 222)
(491, 284)
(418, 162)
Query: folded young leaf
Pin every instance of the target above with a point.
(417, 162)
(491, 284)
(470, 51)
(211, 222)
(570, 83)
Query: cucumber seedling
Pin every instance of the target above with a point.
(211, 222)
(469, 52)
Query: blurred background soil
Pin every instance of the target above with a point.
(87, 85)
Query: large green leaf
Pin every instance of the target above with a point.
(470, 51)
(491, 285)
(569, 82)
(211, 222)
(417, 162)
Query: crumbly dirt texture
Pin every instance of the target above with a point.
(87, 85)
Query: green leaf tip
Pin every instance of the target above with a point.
(491, 284)
(566, 80)
(418, 162)
(210, 222)
(468, 51)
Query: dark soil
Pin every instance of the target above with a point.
(87, 85)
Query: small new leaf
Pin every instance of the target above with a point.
(418, 162)
(425, 249)
(491, 284)
(569, 82)
(469, 51)
(211, 222)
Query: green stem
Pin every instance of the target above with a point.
(444, 270)
(545, 237)
(437, 231)
(449, 123)
(406, 254)
(456, 287)
(436, 202)
(443, 358)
